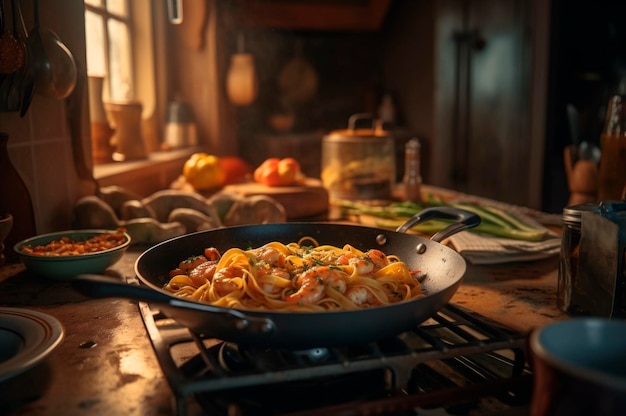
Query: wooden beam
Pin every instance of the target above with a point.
(312, 15)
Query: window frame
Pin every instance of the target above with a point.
(128, 21)
(147, 29)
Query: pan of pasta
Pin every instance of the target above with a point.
(298, 285)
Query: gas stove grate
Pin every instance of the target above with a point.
(451, 359)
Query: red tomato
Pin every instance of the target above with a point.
(288, 170)
(277, 172)
(236, 169)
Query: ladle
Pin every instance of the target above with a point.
(11, 52)
(15, 94)
(53, 63)
(28, 82)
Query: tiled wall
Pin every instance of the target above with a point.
(40, 143)
(40, 149)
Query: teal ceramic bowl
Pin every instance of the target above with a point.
(579, 367)
(590, 348)
(67, 267)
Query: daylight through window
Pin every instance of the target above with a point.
(108, 30)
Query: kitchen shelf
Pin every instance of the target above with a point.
(145, 176)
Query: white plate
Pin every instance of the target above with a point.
(26, 338)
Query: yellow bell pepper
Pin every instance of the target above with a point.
(204, 171)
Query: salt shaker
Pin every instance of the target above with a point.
(412, 177)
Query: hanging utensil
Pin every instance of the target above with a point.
(242, 83)
(3, 76)
(175, 11)
(54, 64)
(298, 79)
(16, 90)
(11, 53)
(11, 83)
(28, 82)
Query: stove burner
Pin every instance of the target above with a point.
(235, 357)
(452, 361)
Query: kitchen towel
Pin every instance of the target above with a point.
(485, 249)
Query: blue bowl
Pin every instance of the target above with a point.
(590, 348)
(580, 367)
(67, 267)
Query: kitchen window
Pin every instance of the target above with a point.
(121, 38)
(108, 30)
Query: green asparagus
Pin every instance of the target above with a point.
(494, 222)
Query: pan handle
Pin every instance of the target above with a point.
(105, 287)
(465, 220)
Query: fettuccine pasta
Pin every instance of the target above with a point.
(295, 276)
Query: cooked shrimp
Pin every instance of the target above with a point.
(361, 296)
(203, 273)
(175, 272)
(363, 264)
(268, 287)
(311, 284)
(378, 258)
(188, 264)
(270, 256)
(212, 253)
(224, 280)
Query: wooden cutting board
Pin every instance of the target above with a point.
(307, 200)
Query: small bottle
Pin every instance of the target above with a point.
(412, 177)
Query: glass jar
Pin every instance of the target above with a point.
(569, 291)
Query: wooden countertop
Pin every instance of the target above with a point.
(106, 365)
(519, 295)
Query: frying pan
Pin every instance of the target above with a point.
(441, 267)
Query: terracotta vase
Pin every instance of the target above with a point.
(128, 137)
